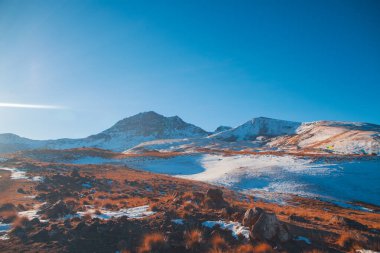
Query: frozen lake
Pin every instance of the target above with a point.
(357, 180)
(340, 181)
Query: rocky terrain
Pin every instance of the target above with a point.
(56, 207)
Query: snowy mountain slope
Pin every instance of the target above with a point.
(222, 129)
(124, 134)
(333, 136)
(258, 127)
(152, 131)
(12, 143)
(263, 134)
(134, 130)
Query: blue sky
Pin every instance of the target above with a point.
(87, 64)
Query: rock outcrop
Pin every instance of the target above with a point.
(265, 226)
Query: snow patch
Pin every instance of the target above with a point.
(178, 221)
(132, 213)
(235, 227)
(16, 174)
(4, 227)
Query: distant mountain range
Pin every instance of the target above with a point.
(150, 130)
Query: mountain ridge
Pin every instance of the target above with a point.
(340, 136)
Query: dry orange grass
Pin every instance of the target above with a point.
(263, 248)
(213, 250)
(218, 243)
(153, 243)
(187, 196)
(351, 240)
(21, 222)
(246, 248)
(260, 248)
(193, 239)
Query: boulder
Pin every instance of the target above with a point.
(21, 190)
(265, 226)
(41, 236)
(214, 199)
(215, 194)
(251, 216)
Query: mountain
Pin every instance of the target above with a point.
(259, 127)
(333, 137)
(129, 132)
(124, 134)
(264, 134)
(12, 142)
(221, 129)
(152, 131)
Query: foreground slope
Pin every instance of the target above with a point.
(104, 208)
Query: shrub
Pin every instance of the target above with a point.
(153, 243)
(263, 248)
(193, 239)
(245, 248)
(21, 222)
(218, 242)
(351, 240)
(188, 206)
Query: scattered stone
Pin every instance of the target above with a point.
(343, 221)
(297, 218)
(214, 199)
(58, 209)
(20, 190)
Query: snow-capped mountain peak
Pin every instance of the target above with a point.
(150, 130)
(260, 126)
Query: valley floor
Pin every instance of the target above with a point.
(62, 207)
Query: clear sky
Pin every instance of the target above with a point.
(73, 68)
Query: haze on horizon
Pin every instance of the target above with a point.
(74, 68)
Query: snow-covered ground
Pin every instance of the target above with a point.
(4, 228)
(235, 227)
(338, 182)
(20, 174)
(132, 213)
(16, 174)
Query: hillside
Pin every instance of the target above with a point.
(49, 207)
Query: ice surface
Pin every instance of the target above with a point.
(341, 181)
